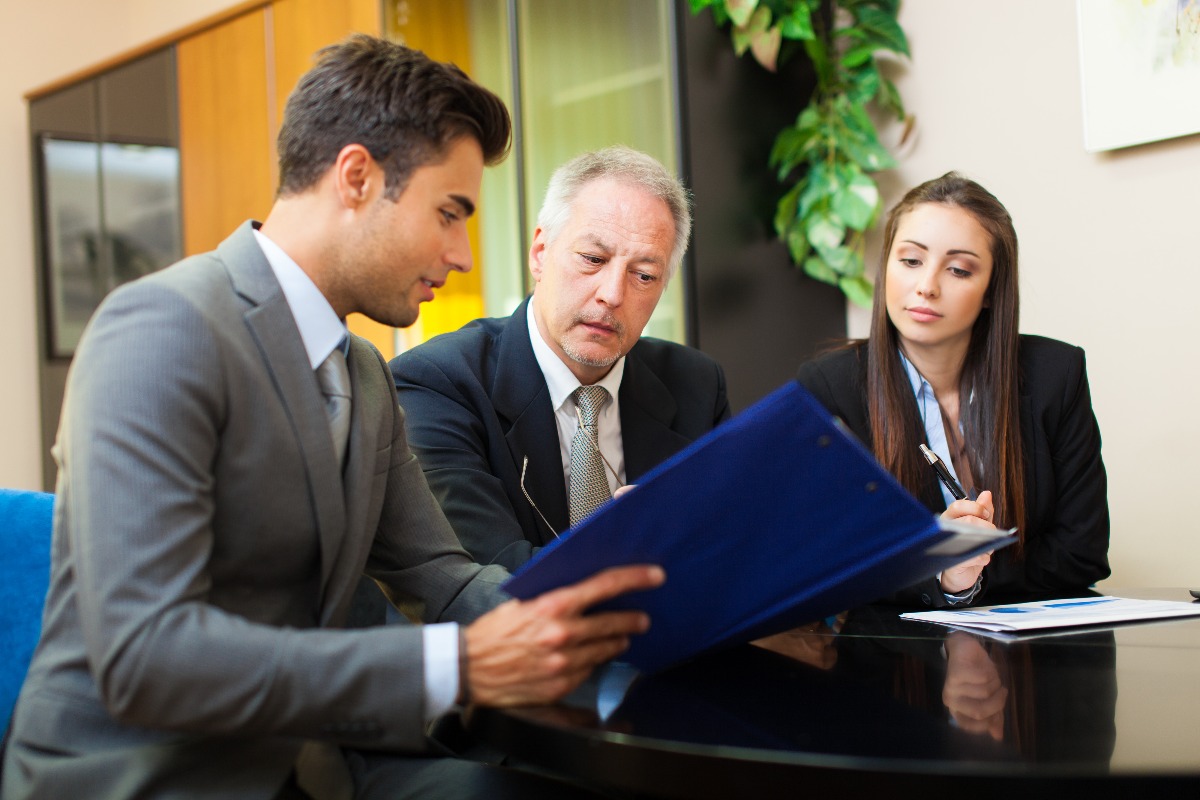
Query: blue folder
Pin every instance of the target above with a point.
(777, 518)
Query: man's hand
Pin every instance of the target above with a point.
(962, 577)
(812, 644)
(535, 651)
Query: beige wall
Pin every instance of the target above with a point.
(40, 42)
(1108, 243)
(1110, 256)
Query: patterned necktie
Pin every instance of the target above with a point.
(589, 485)
(334, 378)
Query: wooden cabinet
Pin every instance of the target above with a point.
(227, 158)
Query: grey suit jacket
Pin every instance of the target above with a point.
(478, 405)
(205, 551)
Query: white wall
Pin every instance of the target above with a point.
(42, 41)
(1109, 251)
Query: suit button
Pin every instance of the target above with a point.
(925, 599)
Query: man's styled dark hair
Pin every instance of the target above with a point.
(401, 105)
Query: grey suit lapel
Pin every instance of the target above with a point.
(647, 411)
(271, 325)
(522, 401)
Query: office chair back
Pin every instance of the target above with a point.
(25, 526)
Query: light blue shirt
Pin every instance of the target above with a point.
(931, 417)
(320, 328)
(935, 440)
(321, 331)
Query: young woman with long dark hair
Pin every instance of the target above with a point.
(1009, 414)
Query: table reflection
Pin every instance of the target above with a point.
(1047, 699)
(861, 684)
(865, 702)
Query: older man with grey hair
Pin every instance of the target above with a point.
(525, 424)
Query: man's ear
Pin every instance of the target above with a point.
(537, 253)
(356, 175)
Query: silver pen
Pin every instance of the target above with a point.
(944, 474)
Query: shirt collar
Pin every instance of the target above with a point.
(919, 385)
(931, 419)
(561, 382)
(320, 329)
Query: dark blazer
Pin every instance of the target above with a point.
(1066, 491)
(477, 405)
(206, 547)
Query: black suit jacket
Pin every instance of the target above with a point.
(477, 405)
(1066, 491)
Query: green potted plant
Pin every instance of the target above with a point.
(828, 154)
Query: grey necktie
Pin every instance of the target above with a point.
(334, 378)
(589, 484)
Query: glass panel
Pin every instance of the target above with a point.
(141, 208)
(112, 215)
(569, 104)
(595, 73)
(501, 238)
(77, 277)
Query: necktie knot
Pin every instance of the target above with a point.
(589, 400)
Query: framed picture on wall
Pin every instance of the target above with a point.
(1140, 69)
(110, 214)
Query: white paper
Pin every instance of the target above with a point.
(1017, 617)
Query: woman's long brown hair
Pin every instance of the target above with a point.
(991, 419)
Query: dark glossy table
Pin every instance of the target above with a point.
(881, 707)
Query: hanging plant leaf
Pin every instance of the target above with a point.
(798, 23)
(857, 198)
(865, 83)
(889, 98)
(818, 269)
(785, 212)
(797, 244)
(858, 289)
(764, 44)
(740, 11)
(881, 30)
(825, 232)
(840, 259)
(816, 191)
(833, 145)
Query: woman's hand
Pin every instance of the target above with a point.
(973, 692)
(979, 511)
(975, 512)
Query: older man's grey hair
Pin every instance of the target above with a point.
(628, 166)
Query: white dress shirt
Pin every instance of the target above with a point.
(321, 331)
(562, 384)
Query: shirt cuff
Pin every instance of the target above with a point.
(441, 668)
(962, 598)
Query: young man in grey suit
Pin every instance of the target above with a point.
(209, 530)
(491, 408)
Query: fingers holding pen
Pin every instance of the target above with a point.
(979, 511)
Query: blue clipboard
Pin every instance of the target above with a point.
(776, 518)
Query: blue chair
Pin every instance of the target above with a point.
(25, 526)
